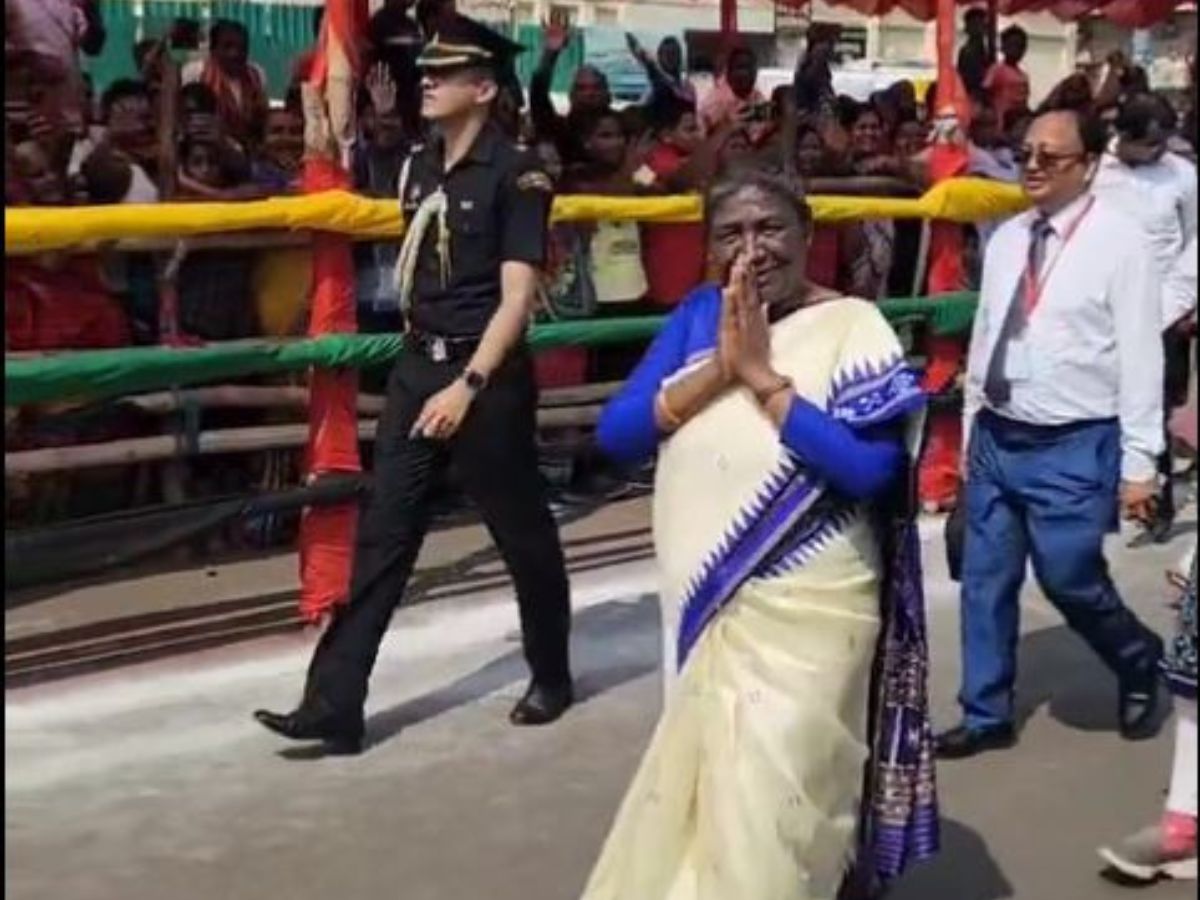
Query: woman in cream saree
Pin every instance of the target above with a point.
(792, 760)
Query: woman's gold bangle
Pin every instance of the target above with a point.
(667, 413)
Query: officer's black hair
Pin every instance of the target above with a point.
(121, 89)
(786, 189)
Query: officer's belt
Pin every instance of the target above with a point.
(440, 348)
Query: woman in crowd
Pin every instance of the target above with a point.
(614, 246)
(788, 403)
(871, 154)
(239, 85)
(1167, 849)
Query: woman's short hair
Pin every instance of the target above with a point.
(787, 190)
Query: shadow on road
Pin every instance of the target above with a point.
(1059, 670)
(612, 643)
(963, 870)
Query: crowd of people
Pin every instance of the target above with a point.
(775, 382)
(228, 141)
(219, 136)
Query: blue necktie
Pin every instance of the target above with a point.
(996, 386)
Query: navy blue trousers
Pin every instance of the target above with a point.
(1050, 495)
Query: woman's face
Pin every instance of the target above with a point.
(284, 139)
(686, 135)
(910, 139)
(547, 154)
(45, 185)
(606, 144)
(810, 154)
(202, 165)
(769, 232)
(866, 135)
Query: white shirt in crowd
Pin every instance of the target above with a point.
(1162, 196)
(1089, 350)
(1179, 287)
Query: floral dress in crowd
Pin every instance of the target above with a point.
(1179, 666)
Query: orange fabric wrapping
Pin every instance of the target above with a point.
(327, 534)
(342, 33)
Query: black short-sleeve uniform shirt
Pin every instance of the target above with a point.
(498, 209)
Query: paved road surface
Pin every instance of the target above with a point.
(152, 783)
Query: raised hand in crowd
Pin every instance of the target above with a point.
(382, 89)
(636, 49)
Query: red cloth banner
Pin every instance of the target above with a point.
(327, 533)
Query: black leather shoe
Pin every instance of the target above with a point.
(303, 726)
(542, 705)
(961, 741)
(1140, 710)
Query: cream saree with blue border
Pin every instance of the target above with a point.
(752, 787)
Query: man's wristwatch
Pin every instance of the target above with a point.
(474, 381)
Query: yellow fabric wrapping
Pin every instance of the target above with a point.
(33, 230)
(282, 290)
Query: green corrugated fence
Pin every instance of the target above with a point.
(96, 374)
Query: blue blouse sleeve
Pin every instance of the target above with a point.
(627, 432)
(857, 463)
(856, 444)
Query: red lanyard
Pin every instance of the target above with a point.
(1033, 283)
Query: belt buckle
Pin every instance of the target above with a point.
(438, 351)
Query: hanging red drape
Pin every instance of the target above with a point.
(327, 533)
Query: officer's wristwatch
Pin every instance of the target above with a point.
(474, 381)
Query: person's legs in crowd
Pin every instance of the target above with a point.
(496, 456)
(391, 529)
(1177, 351)
(1166, 849)
(1071, 496)
(995, 553)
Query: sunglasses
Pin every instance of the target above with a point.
(1045, 159)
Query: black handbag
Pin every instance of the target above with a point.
(955, 534)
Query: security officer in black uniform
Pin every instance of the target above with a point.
(462, 392)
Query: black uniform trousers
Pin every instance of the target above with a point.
(495, 454)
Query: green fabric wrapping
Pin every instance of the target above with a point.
(96, 374)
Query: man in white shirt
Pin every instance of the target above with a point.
(1158, 189)
(1063, 402)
